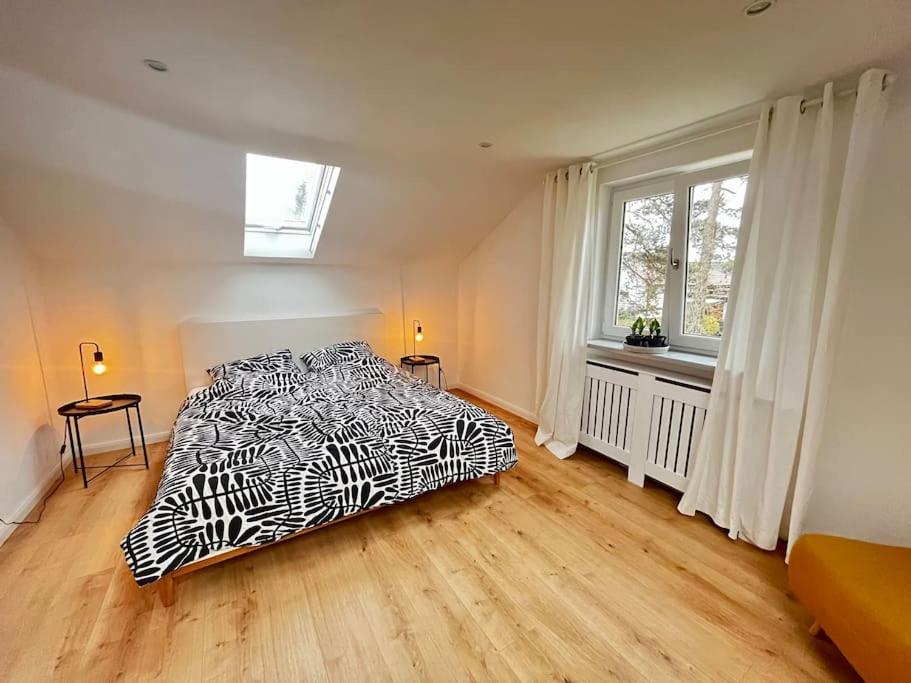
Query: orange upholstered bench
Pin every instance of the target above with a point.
(860, 595)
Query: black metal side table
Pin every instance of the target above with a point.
(118, 402)
(411, 363)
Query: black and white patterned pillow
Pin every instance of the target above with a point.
(342, 352)
(277, 361)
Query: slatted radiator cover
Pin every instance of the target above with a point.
(648, 422)
(608, 409)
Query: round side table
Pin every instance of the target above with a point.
(423, 361)
(118, 402)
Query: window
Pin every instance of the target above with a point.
(671, 247)
(713, 222)
(287, 203)
(645, 236)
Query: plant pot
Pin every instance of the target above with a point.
(657, 342)
(646, 350)
(635, 340)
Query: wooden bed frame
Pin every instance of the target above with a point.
(167, 585)
(205, 343)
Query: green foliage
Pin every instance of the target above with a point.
(626, 320)
(712, 243)
(300, 201)
(711, 325)
(637, 327)
(714, 223)
(646, 235)
(654, 327)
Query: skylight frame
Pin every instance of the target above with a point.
(291, 238)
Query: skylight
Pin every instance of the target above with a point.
(287, 204)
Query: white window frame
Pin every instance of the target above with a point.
(619, 197)
(292, 238)
(679, 185)
(328, 176)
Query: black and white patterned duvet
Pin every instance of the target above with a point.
(257, 456)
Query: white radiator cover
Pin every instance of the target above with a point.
(643, 419)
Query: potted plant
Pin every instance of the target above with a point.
(656, 340)
(640, 342)
(636, 338)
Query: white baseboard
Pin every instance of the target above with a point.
(29, 502)
(117, 444)
(32, 499)
(505, 405)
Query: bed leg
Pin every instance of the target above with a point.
(815, 629)
(166, 590)
(496, 479)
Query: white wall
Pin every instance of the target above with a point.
(80, 174)
(27, 452)
(133, 310)
(498, 310)
(480, 316)
(431, 290)
(498, 280)
(864, 471)
(865, 465)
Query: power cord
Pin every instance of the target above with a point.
(48, 496)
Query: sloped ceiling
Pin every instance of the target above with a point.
(102, 158)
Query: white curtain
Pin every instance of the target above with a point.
(563, 306)
(768, 395)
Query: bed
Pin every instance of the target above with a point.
(269, 451)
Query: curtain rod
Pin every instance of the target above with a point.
(591, 169)
(679, 143)
(817, 101)
(888, 79)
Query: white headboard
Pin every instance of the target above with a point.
(207, 343)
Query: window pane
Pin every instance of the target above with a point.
(643, 258)
(714, 221)
(281, 192)
(287, 203)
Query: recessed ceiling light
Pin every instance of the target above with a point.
(485, 145)
(155, 65)
(757, 7)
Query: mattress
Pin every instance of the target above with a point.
(261, 455)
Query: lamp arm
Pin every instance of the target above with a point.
(85, 386)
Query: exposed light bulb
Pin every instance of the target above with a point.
(99, 368)
(419, 337)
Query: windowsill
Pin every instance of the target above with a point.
(683, 362)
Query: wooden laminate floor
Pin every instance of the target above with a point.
(564, 572)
